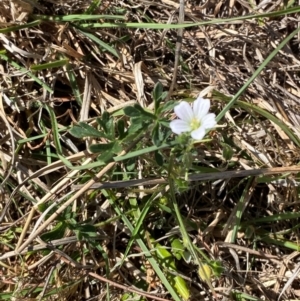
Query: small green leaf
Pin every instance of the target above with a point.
(181, 185)
(181, 287)
(238, 296)
(165, 123)
(106, 157)
(131, 111)
(136, 126)
(85, 231)
(166, 259)
(105, 117)
(159, 158)
(121, 129)
(177, 248)
(85, 130)
(169, 106)
(56, 233)
(205, 272)
(42, 207)
(155, 135)
(144, 112)
(217, 268)
(187, 256)
(164, 95)
(107, 124)
(157, 95)
(227, 152)
(110, 129)
(158, 135)
(130, 164)
(157, 91)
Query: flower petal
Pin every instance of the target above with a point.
(198, 134)
(184, 111)
(201, 107)
(180, 126)
(209, 121)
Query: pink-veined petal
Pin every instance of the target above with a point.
(179, 126)
(209, 121)
(201, 107)
(184, 111)
(198, 134)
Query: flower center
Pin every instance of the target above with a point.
(195, 124)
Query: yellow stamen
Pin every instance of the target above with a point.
(195, 124)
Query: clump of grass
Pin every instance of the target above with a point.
(99, 196)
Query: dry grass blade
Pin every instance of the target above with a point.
(43, 171)
(139, 83)
(177, 49)
(197, 177)
(290, 281)
(282, 272)
(69, 202)
(12, 145)
(86, 101)
(50, 194)
(138, 292)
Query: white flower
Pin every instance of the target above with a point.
(194, 120)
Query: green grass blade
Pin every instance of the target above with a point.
(54, 129)
(143, 151)
(133, 154)
(139, 223)
(93, 6)
(239, 212)
(73, 83)
(280, 242)
(87, 166)
(248, 106)
(47, 143)
(19, 27)
(22, 141)
(99, 42)
(186, 25)
(49, 65)
(274, 218)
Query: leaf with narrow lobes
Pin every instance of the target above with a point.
(85, 130)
